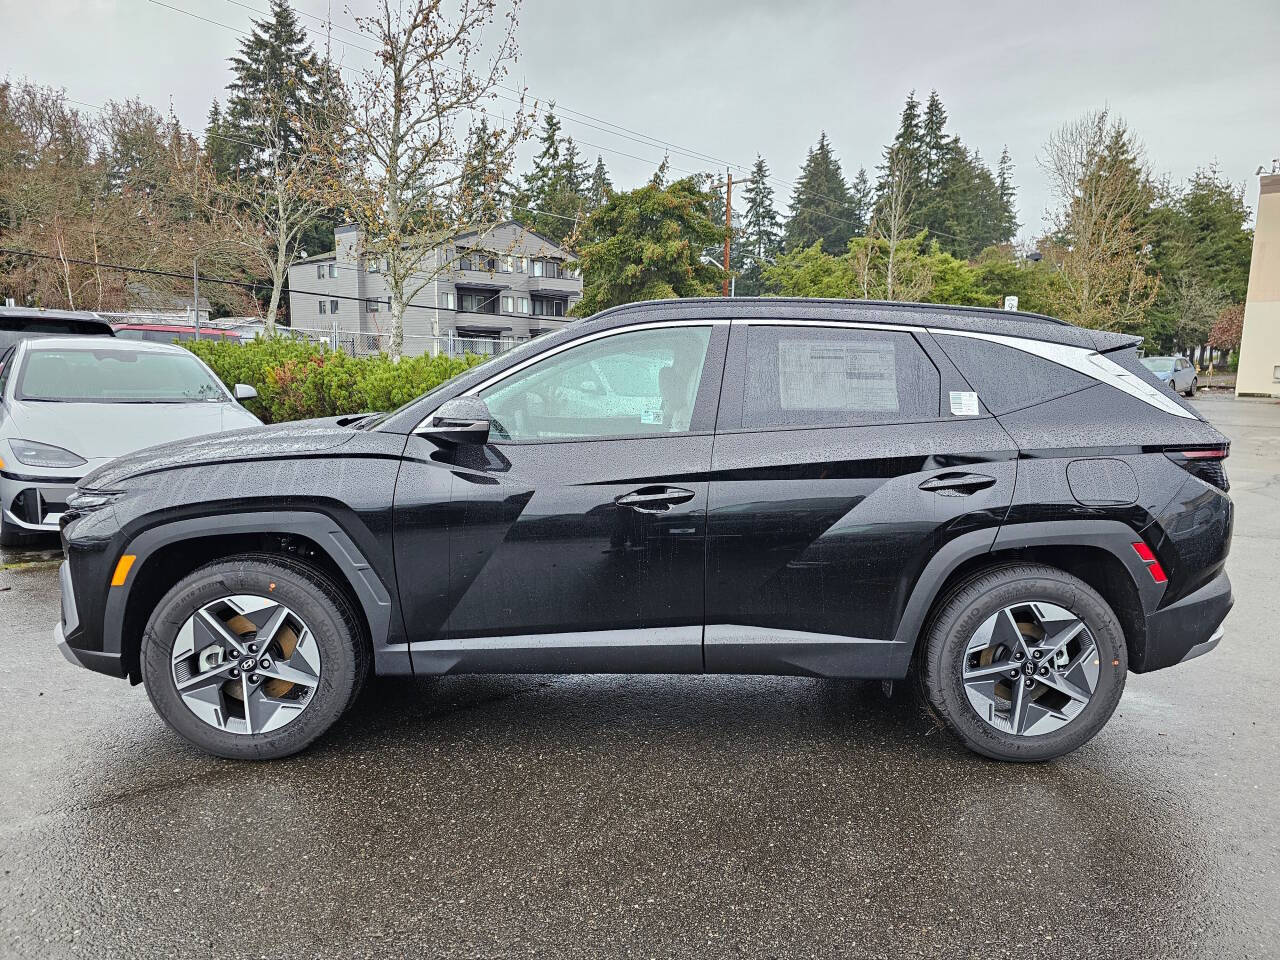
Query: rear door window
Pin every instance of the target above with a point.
(812, 376)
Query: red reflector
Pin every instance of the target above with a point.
(1144, 552)
(1157, 572)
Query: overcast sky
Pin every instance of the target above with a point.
(1198, 81)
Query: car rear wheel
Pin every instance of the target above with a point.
(1024, 662)
(1195, 382)
(253, 657)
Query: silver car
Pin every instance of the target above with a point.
(1178, 372)
(70, 404)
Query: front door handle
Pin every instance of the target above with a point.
(654, 499)
(958, 484)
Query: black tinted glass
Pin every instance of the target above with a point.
(1009, 379)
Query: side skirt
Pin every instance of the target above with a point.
(728, 648)
(660, 650)
(731, 648)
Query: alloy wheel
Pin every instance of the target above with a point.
(1030, 668)
(246, 664)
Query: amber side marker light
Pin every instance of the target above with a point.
(123, 567)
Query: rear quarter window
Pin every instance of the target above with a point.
(1008, 379)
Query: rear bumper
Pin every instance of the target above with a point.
(1187, 629)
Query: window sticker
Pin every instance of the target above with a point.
(964, 403)
(829, 375)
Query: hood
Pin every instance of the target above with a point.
(257, 443)
(104, 431)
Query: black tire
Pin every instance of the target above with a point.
(1195, 382)
(13, 537)
(321, 604)
(960, 614)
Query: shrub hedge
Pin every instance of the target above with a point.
(297, 380)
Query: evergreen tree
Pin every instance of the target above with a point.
(761, 230)
(1008, 207)
(482, 193)
(553, 197)
(599, 188)
(574, 169)
(644, 244)
(951, 192)
(821, 208)
(276, 66)
(280, 88)
(934, 144)
(908, 147)
(861, 200)
(218, 145)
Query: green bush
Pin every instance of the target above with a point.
(297, 380)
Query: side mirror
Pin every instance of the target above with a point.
(243, 391)
(460, 420)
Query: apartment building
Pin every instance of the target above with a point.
(508, 284)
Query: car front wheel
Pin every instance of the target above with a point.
(1024, 662)
(13, 536)
(253, 657)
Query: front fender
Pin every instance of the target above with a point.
(366, 585)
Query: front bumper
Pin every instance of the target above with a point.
(1188, 628)
(34, 503)
(101, 661)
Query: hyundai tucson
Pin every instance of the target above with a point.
(1009, 509)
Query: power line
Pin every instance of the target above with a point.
(647, 139)
(243, 284)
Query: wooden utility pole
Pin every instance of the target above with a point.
(728, 225)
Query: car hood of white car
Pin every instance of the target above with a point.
(104, 431)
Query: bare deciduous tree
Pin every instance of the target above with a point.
(892, 220)
(111, 189)
(1100, 244)
(436, 70)
(268, 209)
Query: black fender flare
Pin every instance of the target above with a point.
(1115, 537)
(370, 592)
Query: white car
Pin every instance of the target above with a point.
(70, 404)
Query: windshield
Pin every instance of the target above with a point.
(116, 376)
(1158, 364)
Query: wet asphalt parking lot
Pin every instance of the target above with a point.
(653, 816)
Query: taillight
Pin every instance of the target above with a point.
(1147, 556)
(1206, 463)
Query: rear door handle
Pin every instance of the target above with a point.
(958, 484)
(654, 499)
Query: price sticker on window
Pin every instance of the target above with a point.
(964, 403)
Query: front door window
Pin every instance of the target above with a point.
(636, 383)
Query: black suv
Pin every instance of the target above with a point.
(1011, 508)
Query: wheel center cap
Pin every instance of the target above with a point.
(247, 664)
(1028, 668)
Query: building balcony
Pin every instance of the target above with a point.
(556, 285)
(482, 279)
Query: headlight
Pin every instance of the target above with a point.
(84, 501)
(44, 454)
